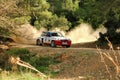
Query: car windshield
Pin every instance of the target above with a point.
(43, 34)
(57, 34)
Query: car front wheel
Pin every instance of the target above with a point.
(38, 42)
(68, 46)
(53, 44)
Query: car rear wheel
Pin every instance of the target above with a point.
(38, 42)
(67, 46)
(53, 44)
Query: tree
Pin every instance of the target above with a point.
(7, 10)
(112, 23)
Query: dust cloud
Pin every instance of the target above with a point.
(82, 33)
(85, 33)
(26, 34)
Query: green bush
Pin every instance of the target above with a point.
(23, 53)
(44, 62)
(4, 61)
(40, 63)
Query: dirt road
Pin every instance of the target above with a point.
(58, 50)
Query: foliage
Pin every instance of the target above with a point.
(45, 62)
(41, 63)
(3, 62)
(112, 24)
(23, 53)
(65, 14)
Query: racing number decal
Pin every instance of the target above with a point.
(47, 40)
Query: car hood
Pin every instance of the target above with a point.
(60, 38)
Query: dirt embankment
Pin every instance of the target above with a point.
(76, 62)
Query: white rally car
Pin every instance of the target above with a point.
(54, 39)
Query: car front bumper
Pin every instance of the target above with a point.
(62, 42)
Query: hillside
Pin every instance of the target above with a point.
(61, 63)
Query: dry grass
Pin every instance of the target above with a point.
(7, 75)
(113, 57)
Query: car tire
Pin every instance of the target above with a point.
(53, 44)
(67, 46)
(38, 42)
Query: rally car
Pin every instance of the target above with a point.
(54, 39)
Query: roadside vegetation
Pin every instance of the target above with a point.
(39, 62)
(23, 63)
(113, 57)
(6, 75)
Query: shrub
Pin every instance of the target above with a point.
(3, 61)
(23, 53)
(40, 63)
(44, 62)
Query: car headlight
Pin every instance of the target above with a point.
(68, 39)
